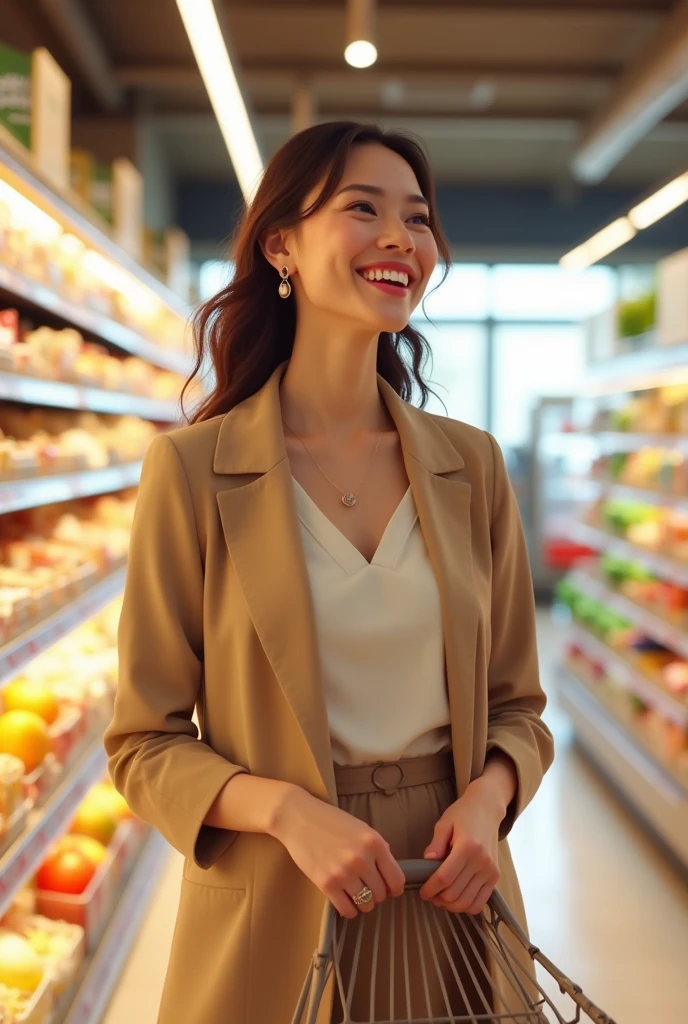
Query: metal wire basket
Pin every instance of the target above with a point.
(409, 962)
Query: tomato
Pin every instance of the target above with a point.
(66, 869)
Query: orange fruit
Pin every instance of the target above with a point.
(24, 695)
(24, 734)
(94, 820)
(107, 797)
(94, 850)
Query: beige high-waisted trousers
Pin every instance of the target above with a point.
(403, 801)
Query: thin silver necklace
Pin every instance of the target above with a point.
(349, 498)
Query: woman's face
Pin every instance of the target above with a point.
(368, 254)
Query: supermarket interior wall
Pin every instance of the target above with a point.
(483, 220)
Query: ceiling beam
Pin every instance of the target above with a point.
(81, 40)
(564, 7)
(655, 86)
(255, 73)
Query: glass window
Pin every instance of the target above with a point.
(463, 296)
(213, 277)
(530, 361)
(549, 292)
(458, 371)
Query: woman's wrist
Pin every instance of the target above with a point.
(498, 784)
(250, 803)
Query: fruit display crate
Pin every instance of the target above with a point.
(38, 638)
(649, 791)
(102, 970)
(58, 394)
(45, 490)
(43, 826)
(93, 908)
(672, 634)
(601, 540)
(674, 708)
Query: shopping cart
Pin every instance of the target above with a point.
(480, 963)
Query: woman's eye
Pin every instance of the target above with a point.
(367, 207)
(422, 218)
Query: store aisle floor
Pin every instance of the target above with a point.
(602, 902)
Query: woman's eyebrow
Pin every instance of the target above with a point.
(374, 190)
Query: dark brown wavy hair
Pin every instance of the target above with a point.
(246, 330)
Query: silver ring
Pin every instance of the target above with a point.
(363, 897)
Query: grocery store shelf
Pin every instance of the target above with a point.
(631, 678)
(44, 490)
(648, 367)
(69, 207)
(623, 492)
(600, 540)
(653, 794)
(590, 489)
(38, 638)
(620, 441)
(61, 395)
(24, 858)
(27, 290)
(660, 629)
(109, 959)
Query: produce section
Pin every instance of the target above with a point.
(624, 680)
(92, 364)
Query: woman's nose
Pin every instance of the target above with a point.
(398, 238)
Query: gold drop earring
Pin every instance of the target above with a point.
(285, 284)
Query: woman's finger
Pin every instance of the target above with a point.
(470, 894)
(455, 890)
(375, 883)
(448, 871)
(481, 899)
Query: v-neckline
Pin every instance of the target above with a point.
(344, 551)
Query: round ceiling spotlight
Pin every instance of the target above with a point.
(360, 51)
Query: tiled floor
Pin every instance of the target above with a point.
(601, 900)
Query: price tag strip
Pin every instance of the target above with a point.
(630, 678)
(62, 395)
(23, 859)
(92, 323)
(34, 491)
(665, 567)
(18, 652)
(109, 959)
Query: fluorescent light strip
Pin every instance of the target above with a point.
(662, 202)
(600, 245)
(208, 45)
(666, 199)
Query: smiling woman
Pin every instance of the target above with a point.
(337, 583)
(329, 189)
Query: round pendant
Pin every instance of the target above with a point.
(349, 499)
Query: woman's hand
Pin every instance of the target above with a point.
(338, 852)
(466, 839)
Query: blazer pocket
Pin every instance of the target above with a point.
(206, 978)
(213, 878)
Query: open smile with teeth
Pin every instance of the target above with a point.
(396, 277)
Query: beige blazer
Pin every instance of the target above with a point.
(218, 618)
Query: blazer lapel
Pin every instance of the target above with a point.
(260, 524)
(261, 528)
(443, 499)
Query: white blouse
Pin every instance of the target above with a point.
(380, 637)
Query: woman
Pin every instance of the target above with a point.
(331, 578)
